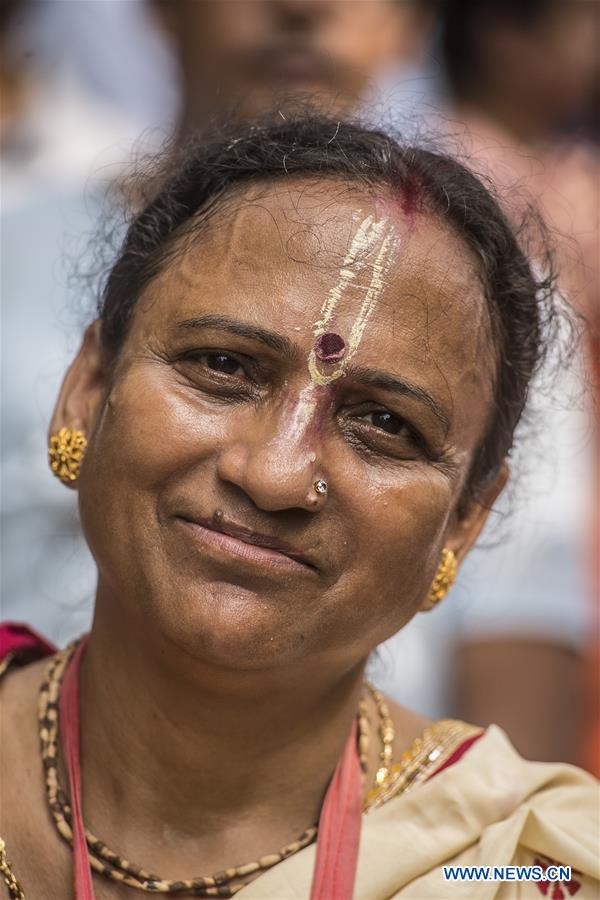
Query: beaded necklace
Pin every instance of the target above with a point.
(115, 867)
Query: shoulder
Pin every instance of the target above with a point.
(563, 799)
(494, 809)
(558, 833)
(544, 809)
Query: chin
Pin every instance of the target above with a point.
(232, 627)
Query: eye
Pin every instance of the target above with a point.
(222, 362)
(384, 432)
(218, 372)
(386, 422)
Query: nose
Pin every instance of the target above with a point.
(299, 15)
(276, 462)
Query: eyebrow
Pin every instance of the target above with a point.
(246, 330)
(386, 382)
(374, 377)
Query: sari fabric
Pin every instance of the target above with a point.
(491, 808)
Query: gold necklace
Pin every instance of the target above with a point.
(117, 868)
(15, 891)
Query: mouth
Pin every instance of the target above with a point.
(293, 65)
(225, 539)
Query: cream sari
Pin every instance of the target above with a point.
(491, 808)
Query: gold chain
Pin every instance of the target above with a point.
(15, 891)
(49, 695)
(111, 865)
(387, 735)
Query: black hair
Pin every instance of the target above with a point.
(208, 169)
(461, 24)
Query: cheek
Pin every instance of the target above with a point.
(151, 428)
(150, 434)
(401, 529)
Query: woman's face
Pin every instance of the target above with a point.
(223, 408)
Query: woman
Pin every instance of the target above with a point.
(286, 427)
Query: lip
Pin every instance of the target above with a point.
(238, 542)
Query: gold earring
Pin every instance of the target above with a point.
(66, 452)
(444, 578)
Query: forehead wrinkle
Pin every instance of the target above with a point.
(321, 244)
(227, 235)
(436, 279)
(441, 287)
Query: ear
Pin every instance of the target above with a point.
(83, 387)
(464, 530)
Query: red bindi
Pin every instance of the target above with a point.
(330, 347)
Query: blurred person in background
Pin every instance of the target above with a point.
(523, 79)
(245, 56)
(58, 125)
(514, 639)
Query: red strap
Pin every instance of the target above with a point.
(69, 731)
(339, 824)
(339, 829)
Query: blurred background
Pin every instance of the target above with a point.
(511, 87)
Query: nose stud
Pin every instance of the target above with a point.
(318, 493)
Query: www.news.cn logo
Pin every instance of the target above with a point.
(507, 873)
(551, 879)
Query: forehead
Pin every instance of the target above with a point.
(302, 234)
(274, 254)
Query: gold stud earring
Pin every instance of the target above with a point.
(444, 578)
(66, 452)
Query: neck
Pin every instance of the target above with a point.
(183, 749)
